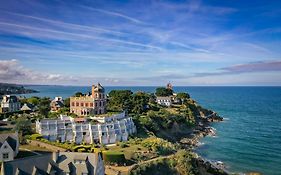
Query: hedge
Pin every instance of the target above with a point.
(86, 147)
(113, 157)
(36, 136)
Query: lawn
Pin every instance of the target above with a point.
(37, 149)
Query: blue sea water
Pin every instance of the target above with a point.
(250, 137)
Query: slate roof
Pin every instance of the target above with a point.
(57, 162)
(11, 138)
(57, 103)
(99, 88)
(10, 99)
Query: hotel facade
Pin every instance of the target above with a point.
(89, 104)
(79, 130)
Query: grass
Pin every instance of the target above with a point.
(34, 148)
(128, 151)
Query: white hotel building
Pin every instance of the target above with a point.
(106, 130)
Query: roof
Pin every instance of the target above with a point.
(27, 107)
(98, 88)
(26, 165)
(11, 138)
(163, 98)
(58, 162)
(57, 103)
(80, 119)
(10, 99)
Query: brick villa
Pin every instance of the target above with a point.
(89, 104)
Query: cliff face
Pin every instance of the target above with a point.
(6, 89)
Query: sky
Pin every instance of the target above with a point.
(140, 43)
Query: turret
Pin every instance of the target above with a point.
(98, 91)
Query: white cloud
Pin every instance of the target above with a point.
(13, 71)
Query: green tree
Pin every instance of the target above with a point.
(163, 92)
(139, 102)
(44, 106)
(78, 94)
(23, 126)
(120, 100)
(67, 102)
(182, 96)
(33, 100)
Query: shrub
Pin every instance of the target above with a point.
(36, 137)
(81, 150)
(113, 157)
(123, 145)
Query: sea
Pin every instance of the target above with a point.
(248, 140)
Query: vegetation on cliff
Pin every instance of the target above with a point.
(6, 88)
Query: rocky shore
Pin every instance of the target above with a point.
(201, 130)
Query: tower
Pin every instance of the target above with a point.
(98, 92)
(169, 86)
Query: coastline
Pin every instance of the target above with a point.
(202, 129)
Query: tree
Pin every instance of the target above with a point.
(78, 94)
(120, 100)
(163, 92)
(33, 100)
(23, 126)
(182, 96)
(44, 106)
(139, 102)
(67, 102)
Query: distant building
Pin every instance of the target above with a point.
(165, 101)
(57, 163)
(79, 130)
(57, 104)
(9, 146)
(10, 103)
(89, 104)
(169, 86)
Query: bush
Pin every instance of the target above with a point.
(86, 147)
(81, 150)
(123, 145)
(113, 157)
(36, 137)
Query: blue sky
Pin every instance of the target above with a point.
(213, 42)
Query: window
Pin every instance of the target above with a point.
(5, 147)
(5, 155)
(72, 104)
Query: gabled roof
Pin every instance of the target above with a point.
(98, 88)
(10, 99)
(57, 103)
(27, 107)
(57, 163)
(11, 138)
